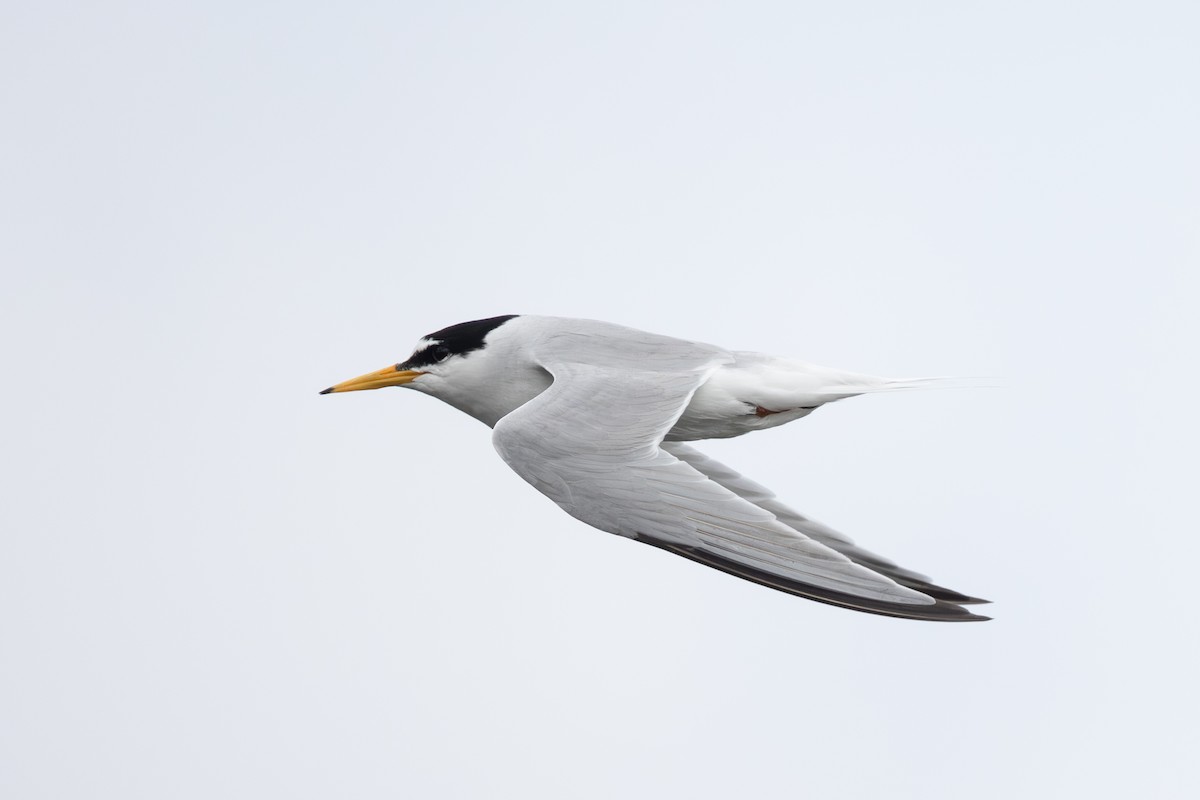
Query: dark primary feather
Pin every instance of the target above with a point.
(941, 611)
(765, 499)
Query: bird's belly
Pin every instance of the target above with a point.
(714, 413)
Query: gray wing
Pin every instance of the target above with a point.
(765, 499)
(592, 443)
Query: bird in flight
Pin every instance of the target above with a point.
(597, 417)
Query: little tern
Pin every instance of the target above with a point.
(595, 416)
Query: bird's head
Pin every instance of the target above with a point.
(437, 359)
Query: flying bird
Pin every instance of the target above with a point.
(597, 417)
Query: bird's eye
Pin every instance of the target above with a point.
(441, 353)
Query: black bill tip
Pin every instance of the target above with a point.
(326, 391)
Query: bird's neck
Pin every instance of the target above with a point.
(488, 394)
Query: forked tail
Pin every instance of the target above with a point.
(888, 384)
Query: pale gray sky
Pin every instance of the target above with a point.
(214, 583)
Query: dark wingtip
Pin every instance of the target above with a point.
(326, 391)
(942, 593)
(940, 611)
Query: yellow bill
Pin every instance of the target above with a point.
(388, 376)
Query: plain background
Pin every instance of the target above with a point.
(214, 583)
